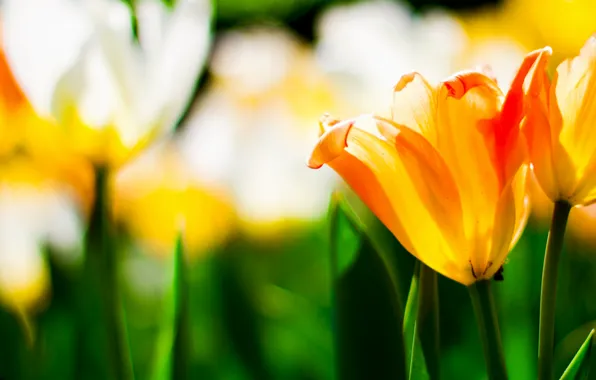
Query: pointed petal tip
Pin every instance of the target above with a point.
(312, 163)
(404, 80)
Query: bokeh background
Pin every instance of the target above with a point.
(233, 174)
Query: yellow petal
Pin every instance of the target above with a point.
(536, 127)
(511, 215)
(468, 112)
(521, 196)
(404, 181)
(414, 105)
(331, 143)
(572, 118)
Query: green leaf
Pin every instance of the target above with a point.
(171, 353)
(241, 319)
(368, 313)
(415, 362)
(580, 365)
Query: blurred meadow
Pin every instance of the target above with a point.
(189, 123)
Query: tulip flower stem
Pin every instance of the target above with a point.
(101, 259)
(488, 326)
(554, 248)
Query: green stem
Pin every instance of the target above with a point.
(428, 319)
(554, 247)
(488, 326)
(101, 259)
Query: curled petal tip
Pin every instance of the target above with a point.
(332, 142)
(459, 84)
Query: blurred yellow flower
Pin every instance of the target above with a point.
(78, 62)
(40, 181)
(493, 39)
(562, 24)
(559, 126)
(447, 174)
(157, 196)
(249, 130)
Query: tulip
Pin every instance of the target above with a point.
(113, 92)
(559, 127)
(559, 130)
(446, 174)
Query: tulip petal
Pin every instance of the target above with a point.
(536, 127)
(175, 56)
(522, 204)
(435, 186)
(510, 219)
(332, 142)
(42, 38)
(572, 119)
(468, 111)
(514, 101)
(414, 102)
(404, 181)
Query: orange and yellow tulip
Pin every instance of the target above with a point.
(446, 174)
(559, 126)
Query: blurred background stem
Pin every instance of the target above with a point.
(488, 326)
(554, 248)
(101, 262)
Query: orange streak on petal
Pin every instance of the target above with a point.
(366, 184)
(513, 105)
(418, 186)
(432, 178)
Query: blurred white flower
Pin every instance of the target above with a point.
(78, 61)
(255, 125)
(368, 46)
(30, 217)
(157, 197)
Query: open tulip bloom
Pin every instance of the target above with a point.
(446, 174)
